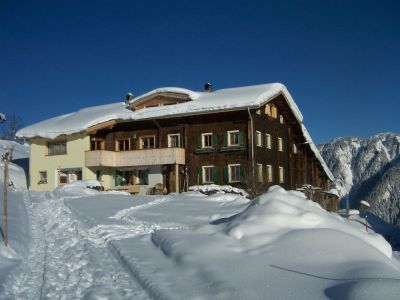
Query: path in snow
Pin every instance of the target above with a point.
(62, 263)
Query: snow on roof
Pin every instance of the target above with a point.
(219, 100)
(201, 102)
(191, 94)
(76, 122)
(316, 152)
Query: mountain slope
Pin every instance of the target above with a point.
(367, 169)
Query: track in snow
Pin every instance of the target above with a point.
(62, 263)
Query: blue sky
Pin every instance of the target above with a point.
(339, 59)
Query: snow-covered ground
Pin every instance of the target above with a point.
(79, 243)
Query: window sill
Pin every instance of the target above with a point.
(233, 148)
(56, 154)
(205, 150)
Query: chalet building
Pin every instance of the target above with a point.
(171, 138)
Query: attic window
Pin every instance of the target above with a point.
(271, 111)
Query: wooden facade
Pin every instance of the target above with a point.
(218, 147)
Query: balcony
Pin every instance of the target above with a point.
(145, 157)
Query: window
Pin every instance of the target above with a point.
(208, 174)
(143, 177)
(271, 110)
(234, 173)
(56, 148)
(124, 178)
(281, 175)
(274, 112)
(280, 144)
(174, 140)
(258, 139)
(233, 138)
(42, 177)
(268, 141)
(268, 109)
(206, 140)
(123, 145)
(258, 111)
(281, 119)
(62, 178)
(259, 172)
(269, 173)
(96, 145)
(147, 142)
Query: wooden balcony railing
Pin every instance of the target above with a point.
(145, 157)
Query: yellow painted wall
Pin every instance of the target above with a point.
(40, 160)
(107, 176)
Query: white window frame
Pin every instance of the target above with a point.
(260, 173)
(231, 180)
(258, 139)
(280, 144)
(274, 111)
(43, 179)
(268, 141)
(268, 109)
(269, 172)
(294, 148)
(141, 141)
(124, 139)
(203, 135)
(170, 139)
(229, 137)
(203, 174)
(281, 174)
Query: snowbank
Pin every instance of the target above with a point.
(279, 212)
(78, 188)
(281, 238)
(214, 188)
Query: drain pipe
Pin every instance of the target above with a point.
(252, 142)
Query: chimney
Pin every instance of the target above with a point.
(208, 87)
(128, 98)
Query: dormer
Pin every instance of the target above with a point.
(162, 97)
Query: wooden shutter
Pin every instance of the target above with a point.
(225, 139)
(242, 171)
(241, 137)
(199, 142)
(214, 174)
(225, 175)
(200, 174)
(214, 140)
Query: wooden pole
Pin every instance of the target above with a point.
(176, 178)
(5, 201)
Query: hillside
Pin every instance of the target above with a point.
(367, 169)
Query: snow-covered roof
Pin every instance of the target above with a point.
(316, 152)
(199, 103)
(76, 122)
(175, 90)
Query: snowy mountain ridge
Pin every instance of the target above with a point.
(367, 169)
